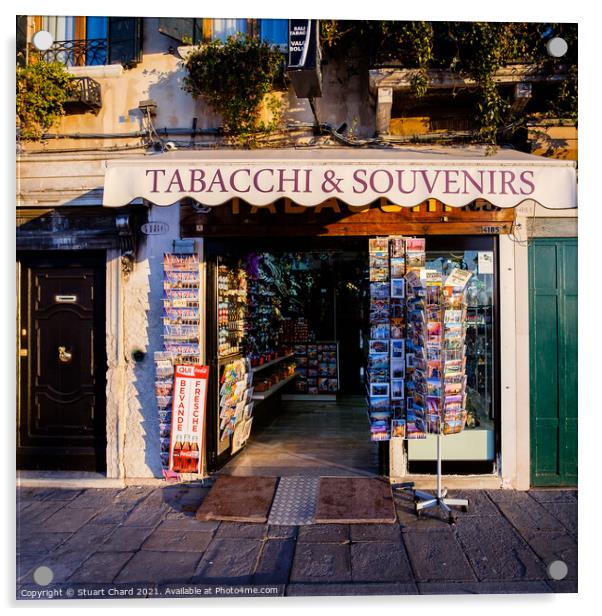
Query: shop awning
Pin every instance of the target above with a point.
(405, 176)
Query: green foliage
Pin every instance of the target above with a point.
(472, 49)
(236, 78)
(42, 89)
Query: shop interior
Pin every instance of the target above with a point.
(293, 315)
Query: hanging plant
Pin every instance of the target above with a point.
(42, 90)
(236, 79)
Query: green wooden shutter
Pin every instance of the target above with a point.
(553, 361)
(125, 40)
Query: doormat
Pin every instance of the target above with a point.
(239, 499)
(295, 501)
(355, 500)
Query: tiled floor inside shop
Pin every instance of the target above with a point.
(313, 438)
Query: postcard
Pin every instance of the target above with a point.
(376, 347)
(379, 389)
(398, 349)
(397, 389)
(397, 369)
(379, 311)
(398, 267)
(415, 259)
(379, 403)
(380, 331)
(378, 244)
(379, 290)
(398, 287)
(397, 246)
(458, 278)
(397, 329)
(398, 428)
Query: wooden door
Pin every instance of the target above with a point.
(553, 361)
(62, 362)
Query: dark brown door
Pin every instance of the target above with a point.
(62, 362)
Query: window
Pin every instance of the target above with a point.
(194, 30)
(92, 41)
(274, 31)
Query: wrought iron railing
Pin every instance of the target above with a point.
(85, 52)
(87, 96)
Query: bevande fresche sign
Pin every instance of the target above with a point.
(188, 418)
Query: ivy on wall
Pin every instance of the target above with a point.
(236, 79)
(42, 90)
(473, 49)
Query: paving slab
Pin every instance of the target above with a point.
(37, 513)
(497, 552)
(375, 532)
(88, 538)
(479, 503)
(565, 513)
(177, 541)
(62, 494)
(34, 494)
(482, 588)
(275, 562)
(228, 561)
(62, 565)
(321, 562)
(324, 533)
(346, 590)
(430, 519)
(147, 513)
(40, 543)
(68, 520)
(243, 530)
(125, 539)
(562, 586)
(553, 545)
(101, 568)
(554, 496)
(380, 562)
(524, 512)
(25, 563)
(159, 567)
(437, 557)
(276, 531)
(188, 523)
(94, 497)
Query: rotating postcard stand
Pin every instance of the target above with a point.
(436, 318)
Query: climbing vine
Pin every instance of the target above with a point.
(475, 50)
(42, 90)
(236, 79)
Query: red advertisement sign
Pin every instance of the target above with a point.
(188, 418)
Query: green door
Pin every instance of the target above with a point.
(553, 360)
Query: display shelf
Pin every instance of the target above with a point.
(309, 397)
(271, 363)
(266, 394)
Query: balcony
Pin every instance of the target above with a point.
(83, 52)
(86, 98)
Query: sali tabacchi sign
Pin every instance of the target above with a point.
(356, 185)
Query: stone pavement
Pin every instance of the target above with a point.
(147, 539)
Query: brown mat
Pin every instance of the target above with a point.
(354, 500)
(239, 499)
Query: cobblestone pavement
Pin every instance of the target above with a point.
(145, 541)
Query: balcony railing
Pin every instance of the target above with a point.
(87, 97)
(85, 52)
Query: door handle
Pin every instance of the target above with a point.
(64, 355)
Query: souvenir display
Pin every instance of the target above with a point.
(231, 309)
(181, 323)
(317, 368)
(235, 403)
(436, 358)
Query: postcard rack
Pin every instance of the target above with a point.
(439, 375)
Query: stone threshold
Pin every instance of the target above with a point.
(453, 482)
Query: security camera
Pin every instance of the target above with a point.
(170, 145)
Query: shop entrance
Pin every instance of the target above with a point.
(62, 363)
(303, 324)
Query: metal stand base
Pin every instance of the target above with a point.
(424, 500)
